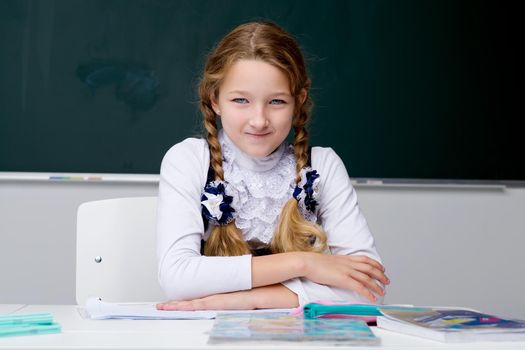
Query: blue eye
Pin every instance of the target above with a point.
(240, 100)
(276, 101)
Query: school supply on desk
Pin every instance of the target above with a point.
(27, 324)
(344, 309)
(99, 310)
(339, 309)
(275, 326)
(451, 325)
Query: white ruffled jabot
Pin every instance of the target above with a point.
(260, 187)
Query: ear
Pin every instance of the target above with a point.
(302, 96)
(214, 104)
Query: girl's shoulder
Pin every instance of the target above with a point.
(333, 174)
(188, 147)
(189, 151)
(324, 157)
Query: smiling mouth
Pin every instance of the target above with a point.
(257, 134)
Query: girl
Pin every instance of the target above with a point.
(246, 221)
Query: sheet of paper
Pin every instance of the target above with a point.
(99, 310)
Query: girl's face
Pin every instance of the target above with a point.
(255, 107)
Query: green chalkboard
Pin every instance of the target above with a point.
(402, 89)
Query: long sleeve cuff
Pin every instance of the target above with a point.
(308, 291)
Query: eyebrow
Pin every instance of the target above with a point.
(241, 92)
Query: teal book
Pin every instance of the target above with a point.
(283, 327)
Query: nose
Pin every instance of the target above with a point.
(259, 119)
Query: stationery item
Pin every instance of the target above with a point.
(27, 324)
(75, 178)
(30, 329)
(99, 310)
(339, 310)
(16, 319)
(276, 326)
(345, 309)
(451, 324)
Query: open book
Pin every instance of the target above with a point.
(451, 324)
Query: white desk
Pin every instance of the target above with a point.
(10, 308)
(81, 334)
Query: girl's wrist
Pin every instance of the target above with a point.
(256, 299)
(300, 263)
(252, 299)
(275, 296)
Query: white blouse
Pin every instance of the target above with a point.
(260, 187)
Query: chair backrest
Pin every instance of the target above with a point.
(116, 254)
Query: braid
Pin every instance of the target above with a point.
(224, 240)
(294, 232)
(215, 147)
(300, 143)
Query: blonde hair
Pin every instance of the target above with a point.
(267, 42)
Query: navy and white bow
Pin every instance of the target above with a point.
(216, 204)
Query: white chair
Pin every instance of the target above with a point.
(116, 254)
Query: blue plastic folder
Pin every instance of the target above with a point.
(274, 326)
(28, 324)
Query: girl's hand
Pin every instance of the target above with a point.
(355, 272)
(274, 296)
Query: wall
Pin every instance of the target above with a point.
(458, 246)
(37, 236)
